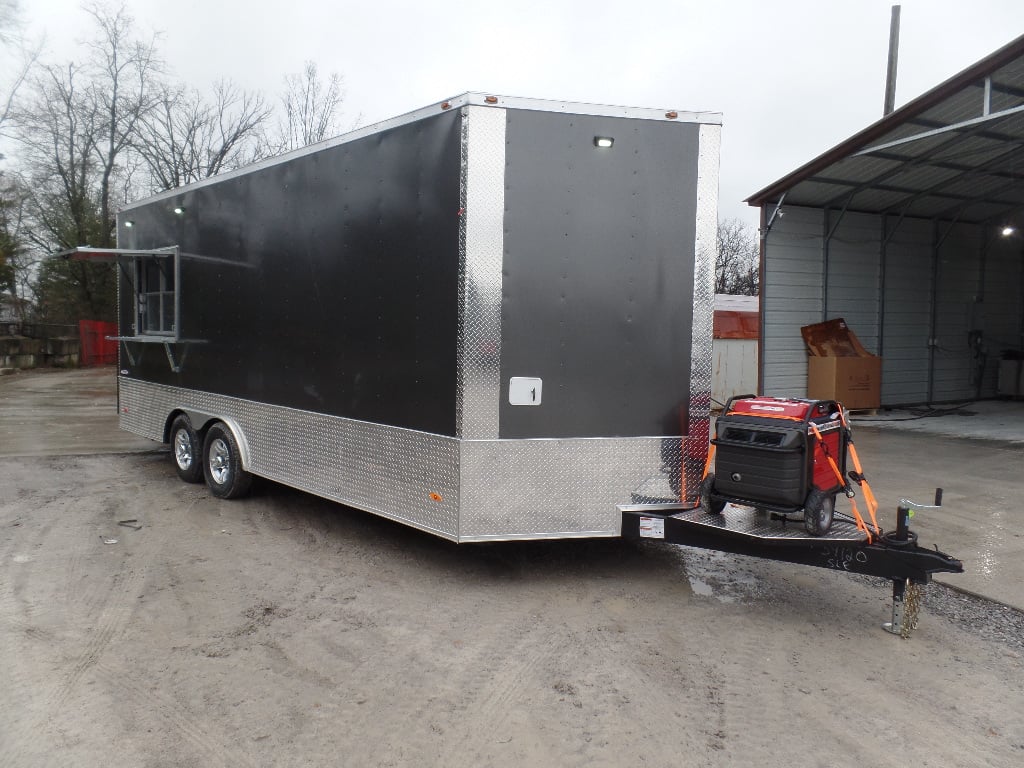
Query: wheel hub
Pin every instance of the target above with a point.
(220, 467)
(183, 449)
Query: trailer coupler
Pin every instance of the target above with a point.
(895, 555)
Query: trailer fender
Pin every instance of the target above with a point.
(201, 421)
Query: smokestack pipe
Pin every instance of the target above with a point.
(890, 72)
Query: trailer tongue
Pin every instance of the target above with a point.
(746, 531)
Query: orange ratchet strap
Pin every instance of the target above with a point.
(842, 482)
(708, 460)
(869, 495)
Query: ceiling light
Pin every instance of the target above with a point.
(179, 209)
(604, 142)
(129, 224)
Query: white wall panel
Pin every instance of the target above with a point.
(734, 368)
(906, 319)
(999, 313)
(959, 272)
(854, 275)
(791, 296)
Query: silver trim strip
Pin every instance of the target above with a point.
(482, 244)
(695, 446)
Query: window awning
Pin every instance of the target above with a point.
(85, 253)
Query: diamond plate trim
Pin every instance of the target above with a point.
(390, 471)
(490, 489)
(481, 250)
(695, 446)
(749, 522)
(553, 488)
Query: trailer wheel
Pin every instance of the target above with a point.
(819, 509)
(222, 464)
(707, 501)
(186, 450)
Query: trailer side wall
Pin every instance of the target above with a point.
(325, 283)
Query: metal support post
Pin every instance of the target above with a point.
(899, 592)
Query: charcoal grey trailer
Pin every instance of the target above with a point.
(488, 319)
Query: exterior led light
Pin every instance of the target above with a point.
(129, 224)
(604, 142)
(179, 210)
(1007, 231)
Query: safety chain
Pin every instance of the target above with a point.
(911, 609)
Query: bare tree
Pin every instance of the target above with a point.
(24, 53)
(737, 260)
(186, 138)
(58, 131)
(122, 91)
(18, 265)
(311, 107)
(74, 133)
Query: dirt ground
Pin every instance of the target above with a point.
(283, 630)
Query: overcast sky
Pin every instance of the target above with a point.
(792, 77)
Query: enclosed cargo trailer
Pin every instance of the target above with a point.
(488, 319)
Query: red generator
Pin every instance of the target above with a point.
(773, 454)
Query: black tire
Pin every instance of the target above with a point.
(222, 464)
(819, 509)
(709, 502)
(186, 450)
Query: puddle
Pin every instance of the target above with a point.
(719, 575)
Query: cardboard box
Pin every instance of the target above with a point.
(856, 382)
(839, 367)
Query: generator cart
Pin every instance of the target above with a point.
(784, 456)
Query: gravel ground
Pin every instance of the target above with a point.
(283, 630)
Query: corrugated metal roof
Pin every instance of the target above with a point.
(956, 152)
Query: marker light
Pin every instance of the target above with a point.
(129, 224)
(179, 210)
(604, 142)
(1007, 231)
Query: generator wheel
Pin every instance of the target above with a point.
(222, 464)
(819, 508)
(707, 501)
(186, 450)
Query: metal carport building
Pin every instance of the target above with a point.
(900, 230)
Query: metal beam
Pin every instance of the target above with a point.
(966, 174)
(924, 159)
(991, 199)
(999, 136)
(962, 125)
(891, 188)
(947, 165)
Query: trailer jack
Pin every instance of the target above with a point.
(895, 555)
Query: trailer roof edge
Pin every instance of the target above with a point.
(473, 98)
